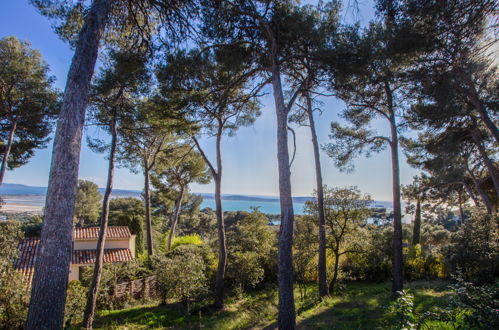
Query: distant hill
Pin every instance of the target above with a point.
(20, 189)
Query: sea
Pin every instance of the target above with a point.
(18, 196)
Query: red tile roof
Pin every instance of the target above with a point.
(93, 232)
(28, 250)
(110, 255)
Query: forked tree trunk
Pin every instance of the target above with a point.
(6, 153)
(147, 201)
(287, 313)
(397, 261)
(101, 242)
(222, 249)
(174, 220)
(416, 232)
(323, 287)
(48, 294)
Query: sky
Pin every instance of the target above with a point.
(249, 157)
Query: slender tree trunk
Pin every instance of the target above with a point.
(101, 242)
(488, 163)
(175, 217)
(470, 193)
(323, 287)
(478, 104)
(147, 201)
(287, 313)
(481, 192)
(398, 262)
(332, 285)
(7, 150)
(222, 250)
(48, 294)
(416, 233)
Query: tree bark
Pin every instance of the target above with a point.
(7, 150)
(481, 192)
(48, 294)
(397, 263)
(101, 242)
(323, 286)
(470, 193)
(335, 271)
(175, 217)
(287, 313)
(416, 233)
(147, 201)
(477, 103)
(488, 163)
(222, 250)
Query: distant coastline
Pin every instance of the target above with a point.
(23, 198)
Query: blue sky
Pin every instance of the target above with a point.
(250, 157)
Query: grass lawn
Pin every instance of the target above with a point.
(358, 306)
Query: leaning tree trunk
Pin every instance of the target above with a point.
(482, 193)
(48, 294)
(470, 193)
(323, 287)
(397, 261)
(488, 163)
(222, 249)
(174, 219)
(6, 153)
(147, 201)
(101, 242)
(416, 232)
(478, 104)
(287, 313)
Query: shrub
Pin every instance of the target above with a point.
(474, 249)
(181, 275)
(75, 303)
(400, 314)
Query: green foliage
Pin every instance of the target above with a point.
(400, 314)
(185, 240)
(76, 299)
(474, 249)
(87, 204)
(421, 264)
(29, 101)
(14, 298)
(305, 247)
(129, 212)
(181, 275)
(250, 247)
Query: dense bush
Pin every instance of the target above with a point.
(181, 274)
(76, 300)
(14, 297)
(250, 247)
(474, 249)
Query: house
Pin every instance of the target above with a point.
(119, 247)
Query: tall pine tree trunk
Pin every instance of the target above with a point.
(416, 232)
(101, 242)
(323, 286)
(6, 153)
(287, 313)
(48, 294)
(175, 217)
(222, 249)
(397, 261)
(147, 201)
